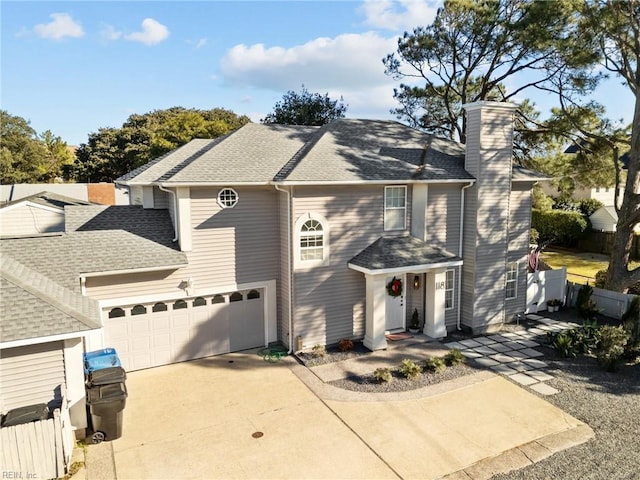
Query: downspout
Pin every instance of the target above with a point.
(289, 266)
(175, 210)
(460, 251)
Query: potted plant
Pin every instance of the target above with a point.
(553, 304)
(414, 324)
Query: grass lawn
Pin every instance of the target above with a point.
(581, 266)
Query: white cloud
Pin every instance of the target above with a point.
(201, 43)
(399, 15)
(109, 32)
(62, 25)
(153, 32)
(344, 62)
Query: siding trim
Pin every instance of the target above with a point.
(133, 270)
(53, 338)
(409, 269)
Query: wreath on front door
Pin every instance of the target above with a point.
(394, 287)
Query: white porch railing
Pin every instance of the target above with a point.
(40, 449)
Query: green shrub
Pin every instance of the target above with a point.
(587, 337)
(601, 278)
(534, 236)
(586, 307)
(563, 344)
(345, 345)
(541, 200)
(436, 364)
(613, 341)
(410, 369)
(454, 357)
(318, 351)
(634, 289)
(588, 206)
(383, 375)
(561, 227)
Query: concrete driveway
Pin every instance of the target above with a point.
(236, 416)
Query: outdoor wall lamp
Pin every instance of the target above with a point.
(416, 282)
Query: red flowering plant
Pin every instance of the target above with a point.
(394, 287)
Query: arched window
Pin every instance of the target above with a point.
(235, 297)
(199, 302)
(312, 241)
(253, 294)
(179, 304)
(139, 310)
(116, 312)
(159, 307)
(217, 299)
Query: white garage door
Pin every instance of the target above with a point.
(153, 334)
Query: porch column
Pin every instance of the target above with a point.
(374, 338)
(434, 325)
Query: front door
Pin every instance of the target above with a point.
(394, 306)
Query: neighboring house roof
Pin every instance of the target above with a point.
(32, 305)
(343, 151)
(47, 199)
(100, 239)
(400, 254)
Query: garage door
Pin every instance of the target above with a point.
(153, 334)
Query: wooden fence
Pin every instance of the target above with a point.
(40, 449)
(610, 304)
(602, 242)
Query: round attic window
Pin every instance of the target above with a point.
(227, 198)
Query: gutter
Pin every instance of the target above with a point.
(175, 210)
(460, 251)
(289, 265)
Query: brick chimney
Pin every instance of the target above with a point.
(488, 157)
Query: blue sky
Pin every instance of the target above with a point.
(73, 67)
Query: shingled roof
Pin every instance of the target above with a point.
(100, 239)
(343, 151)
(397, 254)
(351, 150)
(47, 199)
(32, 305)
(252, 154)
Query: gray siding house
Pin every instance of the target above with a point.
(295, 234)
(301, 235)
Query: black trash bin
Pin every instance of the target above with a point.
(28, 414)
(106, 403)
(106, 376)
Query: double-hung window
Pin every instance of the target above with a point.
(511, 288)
(448, 289)
(395, 208)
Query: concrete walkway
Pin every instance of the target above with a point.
(236, 416)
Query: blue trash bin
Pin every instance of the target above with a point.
(99, 359)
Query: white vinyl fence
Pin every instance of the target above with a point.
(38, 450)
(543, 286)
(610, 304)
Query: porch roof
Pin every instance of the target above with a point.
(400, 255)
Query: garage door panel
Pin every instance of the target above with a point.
(216, 329)
(140, 325)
